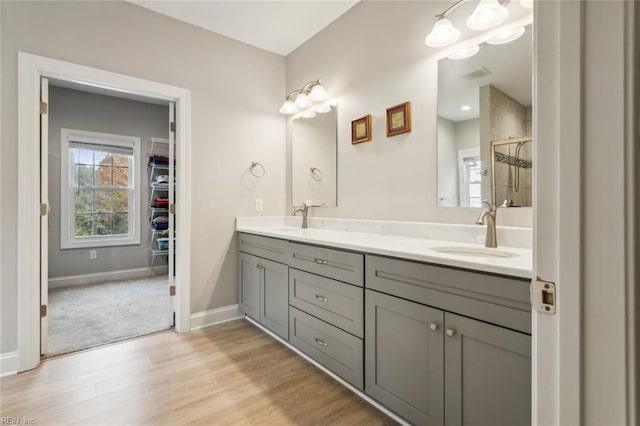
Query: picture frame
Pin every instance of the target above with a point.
(399, 119)
(361, 130)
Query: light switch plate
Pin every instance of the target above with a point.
(93, 255)
(259, 205)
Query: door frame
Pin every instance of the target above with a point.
(571, 348)
(30, 69)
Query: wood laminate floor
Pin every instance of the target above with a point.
(232, 373)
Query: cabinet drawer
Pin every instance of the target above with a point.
(495, 299)
(337, 264)
(269, 248)
(337, 350)
(333, 301)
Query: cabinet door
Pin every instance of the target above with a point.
(404, 365)
(249, 275)
(274, 308)
(488, 374)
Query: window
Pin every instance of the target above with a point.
(100, 184)
(470, 175)
(473, 181)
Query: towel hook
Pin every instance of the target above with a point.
(254, 165)
(316, 174)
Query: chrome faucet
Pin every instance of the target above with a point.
(305, 213)
(489, 215)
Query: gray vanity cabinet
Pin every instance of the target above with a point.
(415, 355)
(249, 285)
(264, 292)
(487, 374)
(404, 357)
(437, 345)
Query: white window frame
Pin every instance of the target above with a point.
(463, 184)
(67, 237)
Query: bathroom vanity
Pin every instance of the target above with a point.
(437, 338)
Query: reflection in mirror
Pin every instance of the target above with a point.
(486, 97)
(512, 167)
(313, 159)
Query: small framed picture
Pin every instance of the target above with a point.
(361, 130)
(399, 119)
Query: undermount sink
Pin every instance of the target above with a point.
(475, 251)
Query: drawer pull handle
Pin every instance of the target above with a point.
(321, 261)
(434, 326)
(450, 332)
(321, 342)
(321, 298)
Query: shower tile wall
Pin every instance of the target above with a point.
(508, 119)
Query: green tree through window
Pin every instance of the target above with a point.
(102, 188)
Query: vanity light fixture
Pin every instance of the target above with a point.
(507, 36)
(487, 14)
(443, 33)
(527, 4)
(297, 100)
(322, 108)
(464, 52)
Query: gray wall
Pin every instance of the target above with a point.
(77, 110)
(371, 58)
(236, 91)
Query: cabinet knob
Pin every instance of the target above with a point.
(434, 326)
(321, 342)
(321, 298)
(450, 332)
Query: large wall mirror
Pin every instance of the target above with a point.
(484, 126)
(314, 159)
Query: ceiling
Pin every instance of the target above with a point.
(276, 26)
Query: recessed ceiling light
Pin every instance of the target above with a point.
(465, 107)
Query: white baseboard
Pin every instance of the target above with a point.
(125, 274)
(215, 316)
(9, 364)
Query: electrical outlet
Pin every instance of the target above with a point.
(259, 205)
(93, 255)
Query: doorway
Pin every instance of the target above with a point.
(32, 209)
(107, 168)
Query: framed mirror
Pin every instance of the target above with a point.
(482, 99)
(314, 159)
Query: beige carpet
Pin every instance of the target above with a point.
(82, 317)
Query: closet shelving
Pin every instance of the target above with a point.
(159, 190)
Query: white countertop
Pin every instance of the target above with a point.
(401, 246)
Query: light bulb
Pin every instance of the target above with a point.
(464, 52)
(302, 101)
(308, 114)
(442, 34)
(507, 36)
(288, 107)
(488, 14)
(318, 94)
(465, 107)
